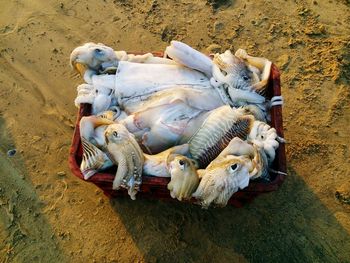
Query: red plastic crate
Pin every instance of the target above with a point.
(156, 187)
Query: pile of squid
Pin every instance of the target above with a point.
(202, 122)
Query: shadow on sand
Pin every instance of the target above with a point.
(289, 225)
(25, 233)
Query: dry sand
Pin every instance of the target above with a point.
(48, 215)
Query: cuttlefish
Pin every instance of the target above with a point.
(184, 177)
(125, 152)
(232, 170)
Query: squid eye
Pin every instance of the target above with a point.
(182, 165)
(223, 72)
(245, 77)
(233, 167)
(98, 53)
(115, 134)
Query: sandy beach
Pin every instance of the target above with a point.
(49, 215)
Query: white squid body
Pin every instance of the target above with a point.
(163, 126)
(170, 117)
(137, 77)
(135, 82)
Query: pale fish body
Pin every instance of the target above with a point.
(184, 178)
(127, 154)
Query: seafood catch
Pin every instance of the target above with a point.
(137, 77)
(199, 121)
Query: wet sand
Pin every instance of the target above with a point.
(48, 215)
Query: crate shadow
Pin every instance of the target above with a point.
(289, 225)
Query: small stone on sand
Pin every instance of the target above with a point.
(213, 48)
(61, 173)
(11, 153)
